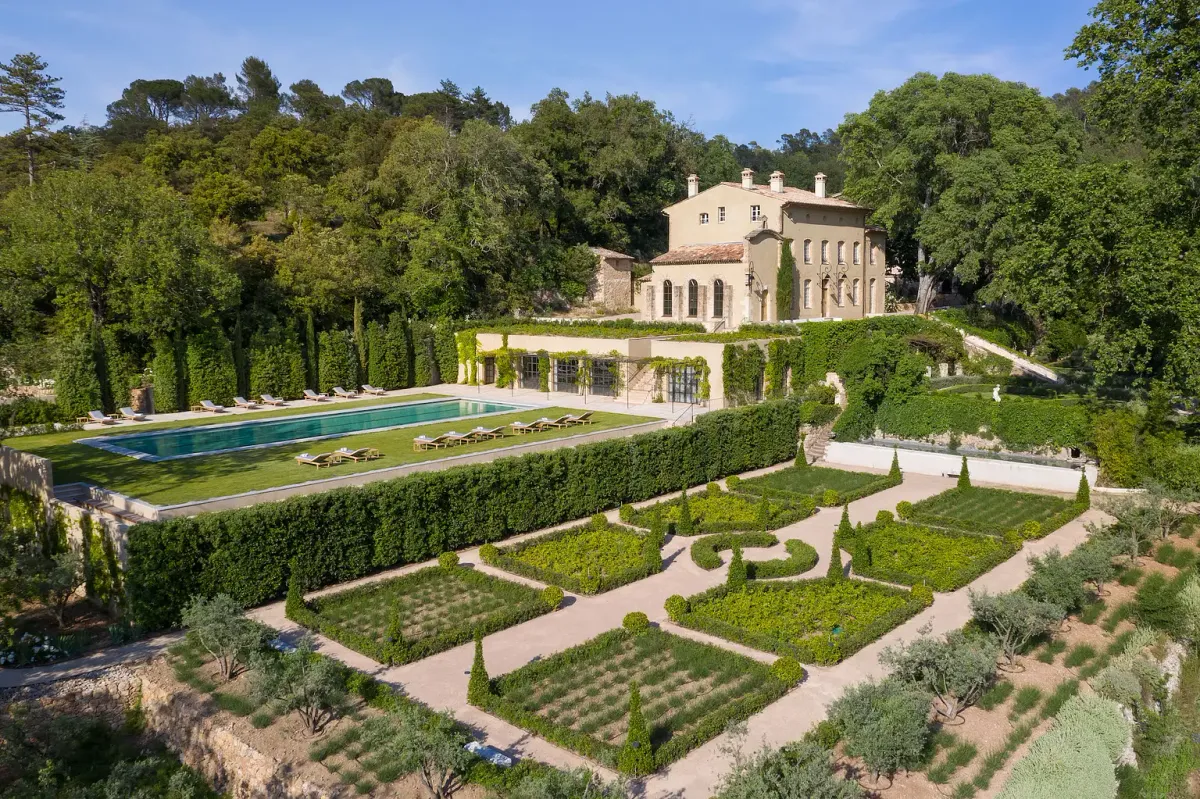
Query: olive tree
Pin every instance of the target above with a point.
(956, 669)
(302, 681)
(884, 723)
(578, 783)
(429, 744)
(59, 579)
(1016, 618)
(798, 769)
(220, 626)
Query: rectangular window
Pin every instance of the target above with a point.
(808, 294)
(755, 213)
(872, 255)
(841, 252)
(720, 213)
(704, 218)
(529, 371)
(808, 251)
(683, 383)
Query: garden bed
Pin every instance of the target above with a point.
(589, 559)
(798, 482)
(814, 621)
(801, 557)
(995, 510)
(717, 511)
(579, 698)
(913, 554)
(437, 609)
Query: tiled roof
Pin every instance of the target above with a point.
(603, 252)
(725, 253)
(791, 194)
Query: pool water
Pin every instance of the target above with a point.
(185, 442)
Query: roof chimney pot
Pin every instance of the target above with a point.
(820, 184)
(693, 185)
(747, 178)
(776, 181)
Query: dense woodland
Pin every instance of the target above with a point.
(211, 220)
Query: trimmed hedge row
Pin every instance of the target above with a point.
(942, 577)
(823, 650)
(1020, 425)
(506, 558)
(801, 556)
(783, 513)
(347, 533)
(771, 687)
(522, 604)
(758, 487)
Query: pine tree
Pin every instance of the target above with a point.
(685, 525)
(836, 570)
(894, 472)
(737, 571)
(478, 687)
(964, 477)
(26, 89)
(636, 758)
(1084, 495)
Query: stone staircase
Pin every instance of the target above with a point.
(108, 506)
(816, 442)
(641, 385)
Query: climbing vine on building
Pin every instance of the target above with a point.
(742, 369)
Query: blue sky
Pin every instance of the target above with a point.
(750, 70)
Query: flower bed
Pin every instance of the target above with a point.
(801, 556)
(590, 559)
(437, 608)
(579, 698)
(912, 554)
(995, 510)
(717, 511)
(798, 482)
(813, 621)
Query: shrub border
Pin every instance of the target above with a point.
(791, 512)
(801, 556)
(508, 561)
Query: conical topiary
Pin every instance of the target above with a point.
(801, 457)
(894, 472)
(636, 758)
(394, 645)
(844, 527)
(478, 687)
(964, 477)
(685, 525)
(835, 571)
(1084, 495)
(737, 571)
(762, 518)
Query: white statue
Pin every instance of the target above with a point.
(996, 393)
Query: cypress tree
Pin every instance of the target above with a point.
(737, 571)
(801, 458)
(478, 687)
(762, 519)
(685, 525)
(166, 368)
(1084, 495)
(894, 472)
(636, 758)
(844, 527)
(311, 360)
(836, 571)
(964, 477)
(394, 638)
(294, 607)
(785, 282)
(76, 383)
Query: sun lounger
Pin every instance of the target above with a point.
(210, 406)
(528, 427)
(360, 454)
(242, 402)
(454, 437)
(323, 459)
(269, 400)
(583, 418)
(376, 390)
(421, 443)
(562, 421)
(483, 432)
(96, 416)
(132, 415)
(314, 396)
(341, 392)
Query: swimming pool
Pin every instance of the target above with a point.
(187, 442)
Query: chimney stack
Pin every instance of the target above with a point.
(747, 178)
(776, 181)
(820, 184)
(693, 185)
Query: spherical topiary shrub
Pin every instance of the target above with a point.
(448, 560)
(676, 607)
(712, 489)
(885, 517)
(552, 595)
(599, 521)
(830, 498)
(626, 512)
(636, 622)
(489, 553)
(788, 670)
(732, 482)
(1031, 529)
(904, 509)
(922, 593)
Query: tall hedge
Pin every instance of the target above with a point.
(1020, 425)
(169, 367)
(338, 360)
(76, 384)
(343, 534)
(445, 351)
(277, 366)
(211, 375)
(120, 371)
(423, 359)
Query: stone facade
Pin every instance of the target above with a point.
(612, 287)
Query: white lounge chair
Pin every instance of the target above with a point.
(343, 393)
(269, 400)
(132, 415)
(242, 402)
(314, 396)
(360, 454)
(97, 417)
(583, 418)
(210, 406)
(323, 459)
(376, 390)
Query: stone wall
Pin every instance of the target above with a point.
(107, 694)
(27, 472)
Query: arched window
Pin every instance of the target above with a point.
(808, 251)
(824, 252)
(841, 252)
(718, 299)
(857, 252)
(841, 291)
(693, 298)
(666, 298)
(854, 291)
(807, 293)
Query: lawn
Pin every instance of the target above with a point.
(814, 481)
(435, 609)
(717, 511)
(207, 476)
(590, 559)
(912, 554)
(690, 692)
(994, 510)
(814, 621)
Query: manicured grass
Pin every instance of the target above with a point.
(912, 554)
(206, 476)
(814, 621)
(814, 481)
(993, 510)
(436, 609)
(580, 698)
(717, 511)
(590, 559)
